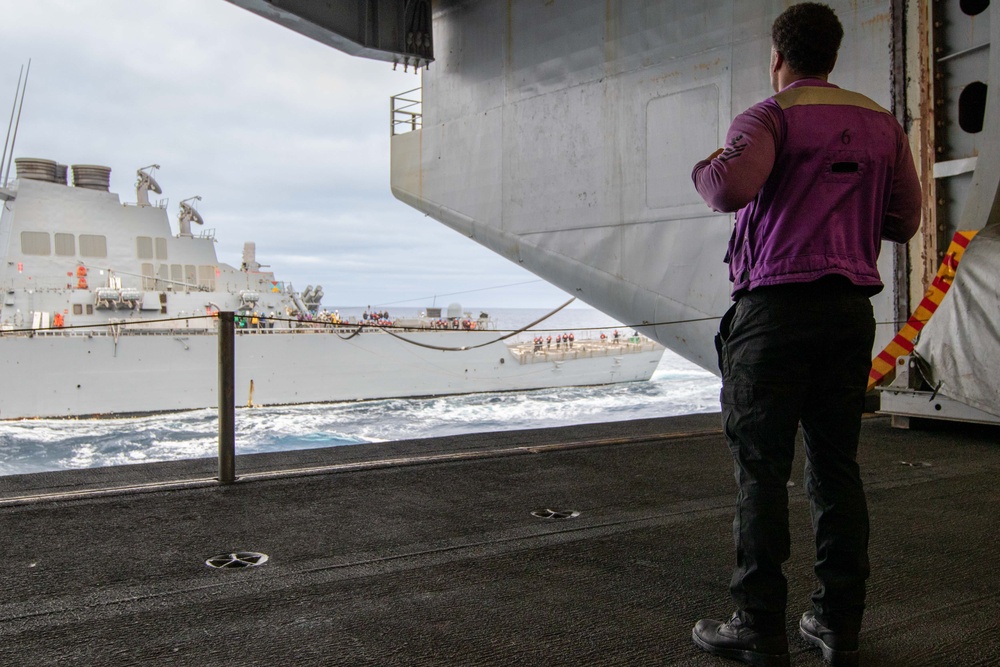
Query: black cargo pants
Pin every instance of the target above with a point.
(790, 355)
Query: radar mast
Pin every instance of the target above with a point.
(144, 183)
(187, 215)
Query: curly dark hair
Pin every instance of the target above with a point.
(808, 36)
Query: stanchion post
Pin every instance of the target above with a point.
(227, 398)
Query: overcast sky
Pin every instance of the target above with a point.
(285, 140)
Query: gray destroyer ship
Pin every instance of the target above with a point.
(106, 311)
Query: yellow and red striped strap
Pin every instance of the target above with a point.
(902, 343)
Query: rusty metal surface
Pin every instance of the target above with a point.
(960, 60)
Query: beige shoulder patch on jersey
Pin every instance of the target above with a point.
(811, 95)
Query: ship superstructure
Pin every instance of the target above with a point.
(77, 255)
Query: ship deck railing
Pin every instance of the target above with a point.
(527, 353)
(406, 112)
(195, 326)
(523, 352)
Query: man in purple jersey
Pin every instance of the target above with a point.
(817, 176)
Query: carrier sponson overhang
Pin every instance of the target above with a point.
(561, 135)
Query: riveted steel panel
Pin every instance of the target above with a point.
(960, 64)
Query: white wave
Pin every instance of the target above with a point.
(676, 388)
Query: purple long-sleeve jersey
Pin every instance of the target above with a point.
(818, 177)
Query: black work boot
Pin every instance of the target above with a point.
(732, 639)
(840, 649)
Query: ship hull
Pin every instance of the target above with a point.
(60, 375)
(564, 141)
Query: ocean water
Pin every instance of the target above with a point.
(677, 387)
